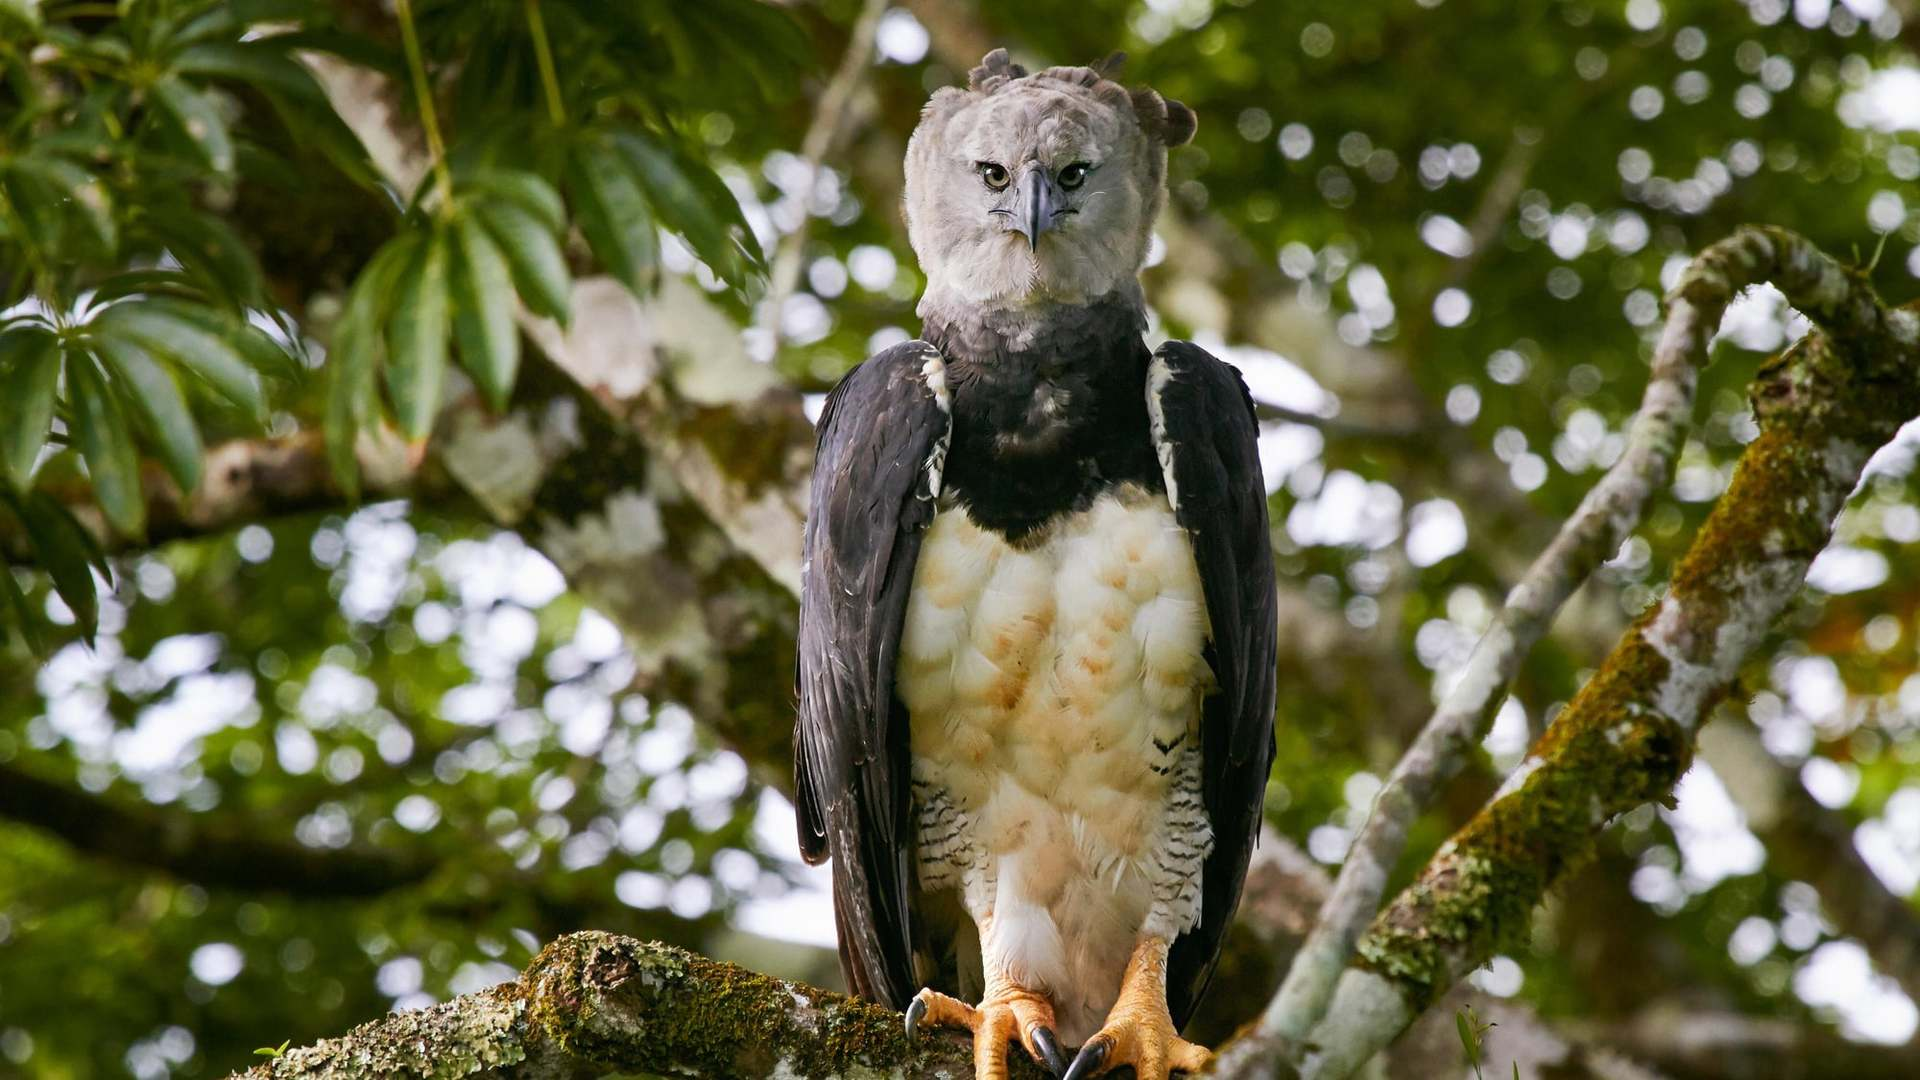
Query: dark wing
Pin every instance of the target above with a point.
(882, 440)
(1207, 436)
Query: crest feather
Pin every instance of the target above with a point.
(996, 70)
(1163, 118)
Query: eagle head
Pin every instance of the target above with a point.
(1038, 187)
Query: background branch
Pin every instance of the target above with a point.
(1628, 736)
(212, 850)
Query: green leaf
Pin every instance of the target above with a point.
(254, 345)
(150, 390)
(539, 270)
(196, 116)
(262, 64)
(62, 547)
(206, 354)
(24, 11)
(29, 378)
(1469, 1039)
(613, 215)
(417, 339)
(106, 442)
(23, 612)
(523, 189)
(353, 355)
(81, 192)
(208, 247)
(37, 204)
(483, 312)
(681, 203)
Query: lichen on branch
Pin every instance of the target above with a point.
(1626, 738)
(594, 1003)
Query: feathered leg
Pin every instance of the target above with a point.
(1008, 1013)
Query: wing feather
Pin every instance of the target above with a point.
(1207, 436)
(882, 437)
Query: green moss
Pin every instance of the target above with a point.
(1821, 409)
(636, 1007)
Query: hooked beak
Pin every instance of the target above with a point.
(1035, 205)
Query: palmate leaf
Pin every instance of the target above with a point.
(533, 254)
(354, 357)
(268, 66)
(482, 286)
(23, 614)
(210, 250)
(194, 114)
(80, 194)
(262, 64)
(148, 390)
(613, 214)
(261, 352)
(417, 338)
(701, 212)
(106, 444)
(37, 208)
(522, 188)
(66, 550)
(162, 330)
(29, 379)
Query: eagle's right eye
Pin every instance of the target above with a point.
(994, 173)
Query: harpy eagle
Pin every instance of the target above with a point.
(1036, 670)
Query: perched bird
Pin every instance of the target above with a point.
(1036, 670)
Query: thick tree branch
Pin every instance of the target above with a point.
(243, 480)
(1603, 521)
(1627, 737)
(1698, 1044)
(594, 1003)
(212, 850)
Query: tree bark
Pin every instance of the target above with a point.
(1628, 735)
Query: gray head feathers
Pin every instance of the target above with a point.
(1038, 187)
(1169, 121)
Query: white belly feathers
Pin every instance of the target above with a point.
(1055, 692)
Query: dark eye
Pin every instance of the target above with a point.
(995, 174)
(1074, 175)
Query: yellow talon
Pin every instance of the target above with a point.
(1007, 1015)
(1139, 1029)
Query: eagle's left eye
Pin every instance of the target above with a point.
(1074, 175)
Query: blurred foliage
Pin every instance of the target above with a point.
(1450, 218)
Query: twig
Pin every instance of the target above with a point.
(1334, 427)
(429, 117)
(1601, 524)
(830, 116)
(543, 55)
(1628, 735)
(1598, 527)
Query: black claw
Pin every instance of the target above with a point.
(1091, 1057)
(1050, 1053)
(916, 1009)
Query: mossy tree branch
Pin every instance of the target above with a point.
(1823, 407)
(593, 1003)
(1603, 521)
